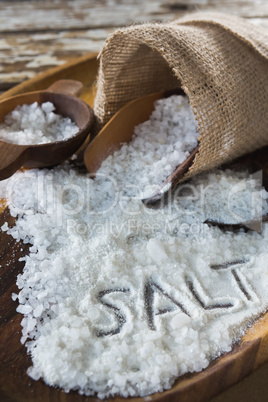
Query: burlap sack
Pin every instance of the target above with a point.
(220, 61)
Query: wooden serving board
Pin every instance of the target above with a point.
(15, 385)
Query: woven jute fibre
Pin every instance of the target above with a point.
(220, 61)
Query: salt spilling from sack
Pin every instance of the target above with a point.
(158, 146)
(34, 124)
(121, 299)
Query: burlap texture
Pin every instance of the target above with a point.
(220, 61)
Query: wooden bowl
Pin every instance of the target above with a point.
(62, 95)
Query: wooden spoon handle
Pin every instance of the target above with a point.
(12, 157)
(66, 87)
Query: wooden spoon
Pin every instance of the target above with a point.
(63, 95)
(120, 129)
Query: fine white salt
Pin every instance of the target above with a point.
(122, 299)
(34, 124)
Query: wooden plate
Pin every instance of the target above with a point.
(15, 385)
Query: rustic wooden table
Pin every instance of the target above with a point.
(37, 35)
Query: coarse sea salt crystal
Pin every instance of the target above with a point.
(4, 227)
(156, 250)
(38, 310)
(180, 321)
(24, 309)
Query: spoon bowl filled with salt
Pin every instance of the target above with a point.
(43, 128)
(160, 125)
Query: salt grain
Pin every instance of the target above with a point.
(4, 227)
(24, 309)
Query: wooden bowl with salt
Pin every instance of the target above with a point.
(63, 94)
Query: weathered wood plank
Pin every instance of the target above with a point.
(81, 14)
(37, 35)
(24, 56)
(17, 16)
